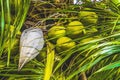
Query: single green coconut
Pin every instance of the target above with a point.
(92, 29)
(88, 17)
(86, 40)
(64, 43)
(56, 32)
(74, 29)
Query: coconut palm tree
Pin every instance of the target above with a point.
(95, 54)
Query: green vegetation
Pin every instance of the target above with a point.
(82, 40)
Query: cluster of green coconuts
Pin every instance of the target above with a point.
(63, 36)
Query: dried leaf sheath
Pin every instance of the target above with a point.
(31, 42)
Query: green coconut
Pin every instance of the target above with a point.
(74, 29)
(56, 32)
(88, 17)
(64, 43)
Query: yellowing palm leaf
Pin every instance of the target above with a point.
(50, 61)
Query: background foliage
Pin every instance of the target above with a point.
(93, 59)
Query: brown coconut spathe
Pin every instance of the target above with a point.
(31, 42)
